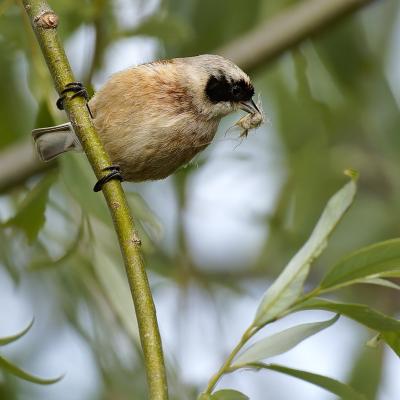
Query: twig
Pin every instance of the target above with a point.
(227, 364)
(259, 46)
(44, 22)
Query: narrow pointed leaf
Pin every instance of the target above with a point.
(13, 369)
(13, 338)
(281, 342)
(380, 282)
(387, 326)
(30, 217)
(377, 260)
(228, 394)
(289, 285)
(359, 312)
(342, 390)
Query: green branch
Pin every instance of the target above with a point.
(226, 366)
(44, 22)
(256, 48)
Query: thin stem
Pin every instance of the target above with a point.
(226, 367)
(249, 333)
(44, 22)
(315, 292)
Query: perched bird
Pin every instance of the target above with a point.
(155, 117)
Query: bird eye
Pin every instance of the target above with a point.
(236, 91)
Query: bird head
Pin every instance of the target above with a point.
(217, 86)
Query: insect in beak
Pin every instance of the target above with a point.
(249, 106)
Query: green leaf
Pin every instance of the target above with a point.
(379, 259)
(342, 390)
(13, 338)
(30, 217)
(289, 285)
(379, 282)
(393, 340)
(228, 394)
(281, 342)
(13, 369)
(359, 312)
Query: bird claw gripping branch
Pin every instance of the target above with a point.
(78, 89)
(115, 173)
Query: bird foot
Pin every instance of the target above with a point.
(78, 90)
(115, 173)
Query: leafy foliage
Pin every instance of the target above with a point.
(378, 260)
(363, 314)
(287, 290)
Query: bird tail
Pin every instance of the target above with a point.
(55, 140)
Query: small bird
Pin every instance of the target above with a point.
(155, 117)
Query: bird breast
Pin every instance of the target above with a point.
(148, 125)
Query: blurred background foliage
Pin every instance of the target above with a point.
(216, 232)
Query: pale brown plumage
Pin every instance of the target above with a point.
(155, 117)
(150, 134)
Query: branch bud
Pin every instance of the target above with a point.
(46, 20)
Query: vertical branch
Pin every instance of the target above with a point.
(44, 22)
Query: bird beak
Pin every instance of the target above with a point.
(249, 106)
